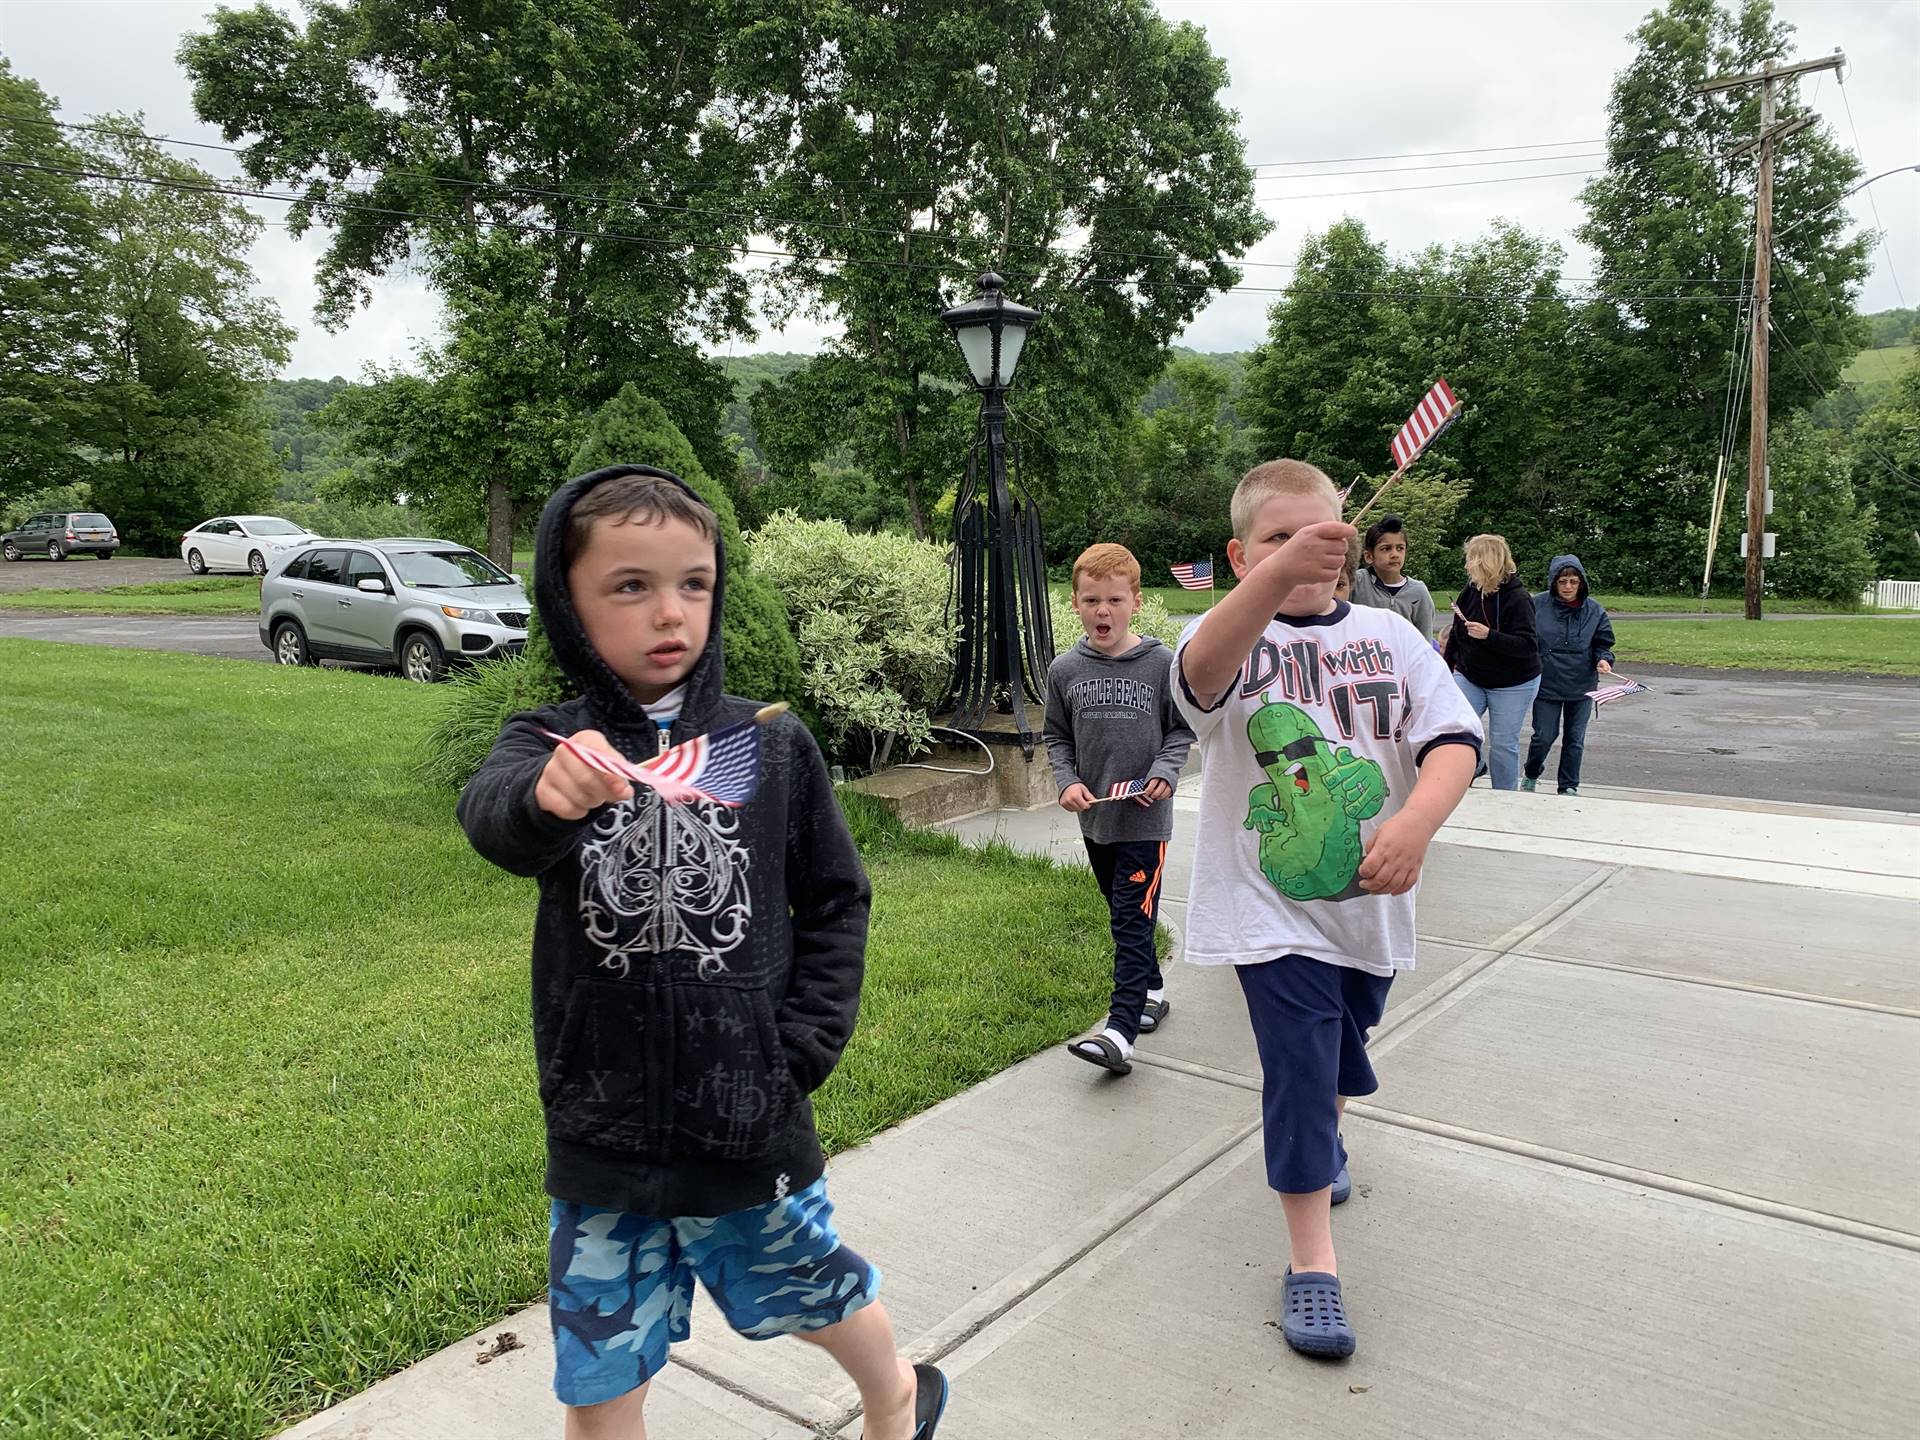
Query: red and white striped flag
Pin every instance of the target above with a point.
(723, 766)
(1125, 789)
(1435, 412)
(1194, 574)
(1607, 694)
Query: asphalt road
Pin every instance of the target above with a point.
(83, 572)
(1806, 739)
(233, 637)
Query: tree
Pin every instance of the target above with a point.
(1079, 147)
(49, 237)
(1323, 387)
(568, 174)
(1886, 470)
(1825, 532)
(1671, 225)
(1175, 473)
(184, 345)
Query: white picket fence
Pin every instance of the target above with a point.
(1893, 595)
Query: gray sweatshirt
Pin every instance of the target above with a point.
(1412, 599)
(1109, 719)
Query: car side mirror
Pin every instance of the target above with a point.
(373, 587)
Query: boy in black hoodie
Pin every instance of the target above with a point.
(696, 973)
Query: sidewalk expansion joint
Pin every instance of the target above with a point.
(732, 1387)
(1649, 1179)
(1872, 1007)
(1029, 1285)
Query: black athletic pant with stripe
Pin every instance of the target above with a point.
(1129, 875)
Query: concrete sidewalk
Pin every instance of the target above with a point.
(1643, 1163)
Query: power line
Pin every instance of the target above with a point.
(1402, 189)
(1793, 354)
(1880, 230)
(759, 218)
(1427, 169)
(661, 245)
(1418, 154)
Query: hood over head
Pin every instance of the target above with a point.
(1561, 564)
(604, 691)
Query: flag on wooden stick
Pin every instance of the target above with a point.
(722, 766)
(1607, 694)
(1436, 411)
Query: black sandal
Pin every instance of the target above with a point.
(1151, 1014)
(1099, 1050)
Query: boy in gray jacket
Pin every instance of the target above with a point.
(1382, 583)
(1117, 746)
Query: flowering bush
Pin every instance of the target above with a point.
(869, 611)
(1152, 618)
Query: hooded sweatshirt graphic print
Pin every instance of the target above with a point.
(696, 969)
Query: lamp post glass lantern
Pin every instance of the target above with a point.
(999, 586)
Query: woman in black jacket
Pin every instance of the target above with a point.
(1493, 653)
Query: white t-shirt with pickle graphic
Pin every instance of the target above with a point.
(1317, 742)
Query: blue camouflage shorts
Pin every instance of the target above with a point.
(620, 1286)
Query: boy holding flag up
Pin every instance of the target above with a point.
(1117, 747)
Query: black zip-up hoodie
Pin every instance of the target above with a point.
(1510, 655)
(696, 970)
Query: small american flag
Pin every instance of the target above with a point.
(1607, 694)
(723, 766)
(1435, 412)
(1194, 575)
(1122, 789)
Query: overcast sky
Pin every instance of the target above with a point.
(1321, 82)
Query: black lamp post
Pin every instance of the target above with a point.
(999, 585)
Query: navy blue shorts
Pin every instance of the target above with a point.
(1310, 1020)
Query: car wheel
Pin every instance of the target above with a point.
(421, 658)
(10, 550)
(54, 552)
(257, 563)
(104, 554)
(196, 562)
(290, 644)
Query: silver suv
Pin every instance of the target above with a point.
(418, 604)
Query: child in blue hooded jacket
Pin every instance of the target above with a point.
(1576, 648)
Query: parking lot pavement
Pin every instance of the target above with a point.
(85, 573)
(229, 636)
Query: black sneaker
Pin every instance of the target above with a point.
(929, 1401)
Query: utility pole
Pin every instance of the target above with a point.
(1768, 137)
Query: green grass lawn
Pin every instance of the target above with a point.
(1715, 605)
(1870, 366)
(1177, 600)
(268, 1126)
(1866, 646)
(212, 595)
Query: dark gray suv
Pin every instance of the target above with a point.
(57, 534)
(418, 604)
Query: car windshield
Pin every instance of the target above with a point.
(447, 569)
(272, 527)
(91, 522)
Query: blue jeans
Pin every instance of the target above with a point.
(1504, 708)
(1548, 718)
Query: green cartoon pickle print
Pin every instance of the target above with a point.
(1309, 810)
